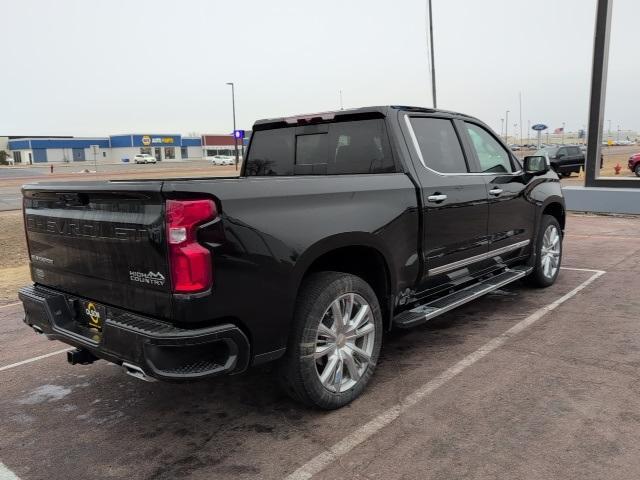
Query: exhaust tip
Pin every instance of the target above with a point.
(136, 372)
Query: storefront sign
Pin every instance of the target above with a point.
(155, 140)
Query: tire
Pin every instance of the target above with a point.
(637, 170)
(545, 274)
(322, 367)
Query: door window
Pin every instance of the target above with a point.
(439, 145)
(492, 156)
(574, 151)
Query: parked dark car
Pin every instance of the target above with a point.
(341, 226)
(634, 164)
(565, 159)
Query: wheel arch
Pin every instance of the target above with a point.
(360, 254)
(555, 208)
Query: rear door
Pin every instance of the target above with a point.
(101, 240)
(575, 157)
(511, 211)
(455, 202)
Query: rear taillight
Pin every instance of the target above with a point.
(190, 262)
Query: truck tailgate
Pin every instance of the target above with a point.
(101, 240)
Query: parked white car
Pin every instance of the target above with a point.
(144, 158)
(223, 160)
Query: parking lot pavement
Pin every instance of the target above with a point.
(557, 397)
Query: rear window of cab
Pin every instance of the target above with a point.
(356, 147)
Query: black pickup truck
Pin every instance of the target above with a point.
(565, 159)
(341, 226)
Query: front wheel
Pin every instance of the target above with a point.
(637, 170)
(335, 341)
(548, 251)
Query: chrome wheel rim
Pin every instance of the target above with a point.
(550, 254)
(344, 342)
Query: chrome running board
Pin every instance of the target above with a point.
(426, 312)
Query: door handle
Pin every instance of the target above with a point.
(436, 198)
(495, 191)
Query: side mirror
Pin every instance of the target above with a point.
(536, 165)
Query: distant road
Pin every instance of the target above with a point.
(10, 198)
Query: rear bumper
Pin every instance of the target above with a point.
(161, 350)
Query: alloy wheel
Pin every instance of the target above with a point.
(344, 342)
(550, 252)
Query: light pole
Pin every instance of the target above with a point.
(433, 60)
(520, 101)
(502, 126)
(609, 133)
(233, 106)
(506, 128)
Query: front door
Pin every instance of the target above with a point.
(511, 211)
(455, 202)
(158, 154)
(78, 155)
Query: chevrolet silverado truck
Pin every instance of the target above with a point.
(341, 226)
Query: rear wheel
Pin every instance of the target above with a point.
(637, 170)
(548, 253)
(335, 341)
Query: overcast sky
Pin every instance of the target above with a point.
(88, 67)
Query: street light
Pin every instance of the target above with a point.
(233, 105)
(506, 128)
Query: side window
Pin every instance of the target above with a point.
(492, 156)
(562, 152)
(359, 147)
(439, 145)
(271, 153)
(574, 151)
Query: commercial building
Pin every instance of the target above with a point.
(115, 148)
(161, 146)
(223, 144)
(56, 149)
(121, 148)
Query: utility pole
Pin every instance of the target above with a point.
(233, 106)
(506, 128)
(609, 133)
(528, 132)
(520, 100)
(433, 61)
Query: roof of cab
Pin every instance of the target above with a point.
(342, 115)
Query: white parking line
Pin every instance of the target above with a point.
(328, 457)
(34, 359)
(10, 305)
(6, 474)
